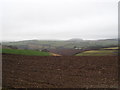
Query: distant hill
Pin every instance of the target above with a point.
(57, 44)
(75, 39)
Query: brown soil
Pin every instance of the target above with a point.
(66, 52)
(54, 54)
(21, 71)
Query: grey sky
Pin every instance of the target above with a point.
(58, 19)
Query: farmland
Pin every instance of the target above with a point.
(112, 51)
(25, 52)
(79, 65)
(102, 52)
(21, 71)
(61, 44)
(112, 48)
(62, 47)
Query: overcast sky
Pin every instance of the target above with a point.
(58, 19)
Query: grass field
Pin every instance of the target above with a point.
(114, 48)
(26, 52)
(98, 53)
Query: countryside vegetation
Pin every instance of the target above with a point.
(26, 52)
(72, 47)
(82, 64)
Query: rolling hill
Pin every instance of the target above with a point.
(58, 44)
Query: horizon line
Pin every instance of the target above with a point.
(53, 39)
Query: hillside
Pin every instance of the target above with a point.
(58, 44)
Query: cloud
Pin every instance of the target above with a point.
(61, 19)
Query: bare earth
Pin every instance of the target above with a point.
(21, 71)
(54, 54)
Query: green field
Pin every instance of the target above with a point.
(98, 53)
(26, 52)
(114, 48)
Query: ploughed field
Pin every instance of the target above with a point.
(66, 52)
(20, 71)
